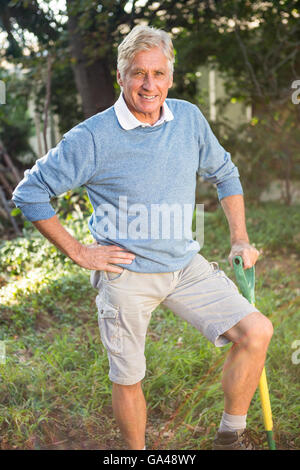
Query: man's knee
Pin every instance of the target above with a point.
(255, 331)
(258, 333)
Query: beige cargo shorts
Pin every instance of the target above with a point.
(200, 293)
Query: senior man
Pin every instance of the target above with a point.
(143, 152)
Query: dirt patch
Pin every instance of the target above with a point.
(102, 434)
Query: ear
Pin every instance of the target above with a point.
(171, 81)
(119, 79)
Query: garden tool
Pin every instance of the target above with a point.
(246, 282)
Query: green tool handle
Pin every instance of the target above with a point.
(245, 279)
(246, 282)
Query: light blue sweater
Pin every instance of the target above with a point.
(128, 175)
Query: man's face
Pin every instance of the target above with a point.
(146, 84)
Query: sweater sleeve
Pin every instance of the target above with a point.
(215, 164)
(67, 166)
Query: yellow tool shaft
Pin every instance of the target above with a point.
(265, 401)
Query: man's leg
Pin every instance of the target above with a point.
(244, 364)
(129, 408)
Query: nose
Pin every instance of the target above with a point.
(148, 82)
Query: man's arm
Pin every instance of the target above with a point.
(69, 165)
(215, 165)
(234, 209)
(94, 256)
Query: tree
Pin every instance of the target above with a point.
(255, 45)
(92, 74)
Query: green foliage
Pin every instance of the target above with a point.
(16, 126)
(17, 16)
(259, 66)
(64, 101)
(32, 249)
(255, 50)
(73, 205)
(271, 228)
(264, 149)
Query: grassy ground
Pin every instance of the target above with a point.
(54, 389)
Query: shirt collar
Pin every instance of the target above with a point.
(128, 121)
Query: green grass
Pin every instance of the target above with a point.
(54, 388)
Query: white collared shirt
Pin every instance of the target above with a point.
(128, 121)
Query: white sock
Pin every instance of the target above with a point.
(232, 422)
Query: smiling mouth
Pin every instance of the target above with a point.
(148, 97)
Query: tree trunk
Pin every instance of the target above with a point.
(9, 163)
(7, 210)
(47, 101)
(37, 122)
(93, 81)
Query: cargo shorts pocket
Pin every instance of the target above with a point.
(109, 276)
(109, 325)
(96, 279)
(217, 272)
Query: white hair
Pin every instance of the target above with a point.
(143, 38)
